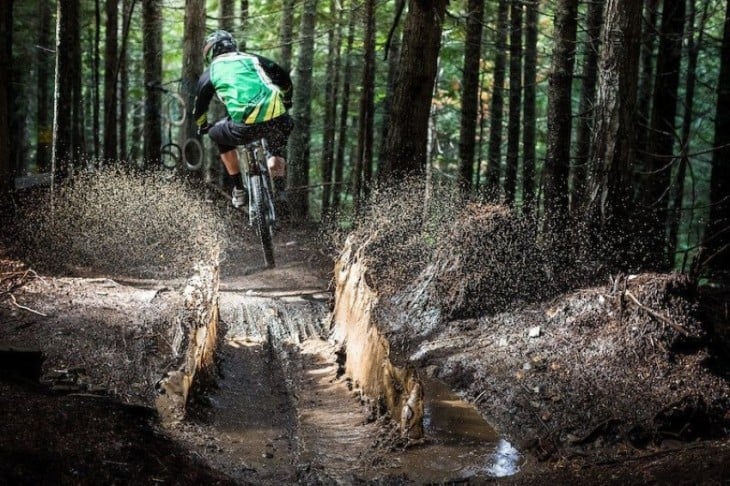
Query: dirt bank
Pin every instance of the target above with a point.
(617, 383)
(599, 379)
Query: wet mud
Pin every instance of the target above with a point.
(278, 407)
(281, 410)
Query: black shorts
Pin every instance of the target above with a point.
(228, 134)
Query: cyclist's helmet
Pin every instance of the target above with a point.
(217, 43)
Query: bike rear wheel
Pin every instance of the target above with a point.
(260, 217)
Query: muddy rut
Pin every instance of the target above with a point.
(281, 411)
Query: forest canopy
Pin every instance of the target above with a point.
(611, 113)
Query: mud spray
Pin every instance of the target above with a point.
(477, 249)
(132, 223)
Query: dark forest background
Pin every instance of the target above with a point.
(612, 116)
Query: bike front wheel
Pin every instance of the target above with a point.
(260, 218)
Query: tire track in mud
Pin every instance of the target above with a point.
(281, 413)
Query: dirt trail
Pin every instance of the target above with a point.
(281, 413)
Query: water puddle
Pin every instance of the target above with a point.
(459, 444)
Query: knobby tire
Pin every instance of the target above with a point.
(261, 223)
(192, 146)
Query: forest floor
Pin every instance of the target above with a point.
(81, 412)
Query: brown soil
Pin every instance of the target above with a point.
(89, 419)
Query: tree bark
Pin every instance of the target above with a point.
(44, 114)
(332, 83)
(63, 129)
(244, 23)
(152, 59)
(286, 33)
(695, 40)
(614, 126)
(589, 75)
(529, 123)
(646, 77)
(659, 160)
(226, 16)
(393, 57)
(110, 81)
(515, 101)
(406, 146)
(494, 154)
(339, 168)
(470, 92)
(194, 26)
(96, 96)
(77, 120)
(128, 11)
(362, 173)
(6, 169)
(560, 116)
(299, 148)
(717, 237)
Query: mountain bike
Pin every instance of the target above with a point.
(261, 213)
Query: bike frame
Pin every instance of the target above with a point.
(262, 213)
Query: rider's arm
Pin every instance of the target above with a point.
(206, 91)
(279, 77)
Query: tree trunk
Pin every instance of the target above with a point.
(717, 238)
(332, 83)
(244, 24)
(286, 33)
(96, 97)
(560, 117)
(299, 148)
(63, 130)
(393, 57)
(6, 169)
(152, 59)
(45, 45)
(614, 125)
(136, 135)
(529, 124)
(483, 113)
(579, 167)
(496, 110)
(658, 165)
(695, 39)
(344, 115)
(362, 173)
(470, 90)
(646, 79)
(128, 10)
(110, 81)
(515, 101)
(406, 145)
(226, 15)
(77, 121)
(194, 26)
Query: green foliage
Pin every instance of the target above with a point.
(262, 36)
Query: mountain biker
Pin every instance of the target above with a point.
(256, 93)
